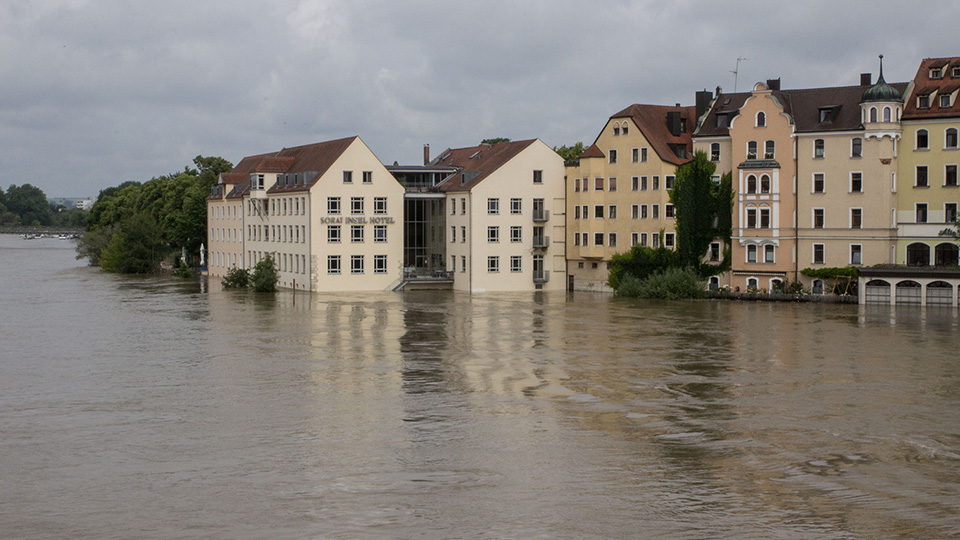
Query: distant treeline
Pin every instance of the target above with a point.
(27, 206)
(134, 226)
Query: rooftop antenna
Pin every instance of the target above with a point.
(736, 72)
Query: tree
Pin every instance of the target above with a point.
(702, 209)
(135, 248)
(495, 140)
(265, 276)
(570, 153)
(29, 203)
(236, 278)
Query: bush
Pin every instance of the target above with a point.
(236, 278)
(669, 284)
(265, 276)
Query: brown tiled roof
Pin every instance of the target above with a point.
(924, 85)
(652, 122)
(239, 176)
(592, 152)
(728, 104)
(313, 159)
(476, 163)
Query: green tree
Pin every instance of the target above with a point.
(703, 210)
(135, 248)
(265, 276)
(570, 153)
(29, 203)
(641, 262)
(236, 278)
(495, 140)
(92, 243)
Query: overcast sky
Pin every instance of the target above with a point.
(97, 92)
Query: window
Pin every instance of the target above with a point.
(768, 150)
(643, 211)
(598, 239)
(379, 233)
(751, 184)
(643, 183)
(873, 114)
(635, 155)
(612, 183)
(752, 150)
(751, 218)
(626, 128)
(818, 218)
(635, 183)
(356, 233)
(586, 239)
(955, 73)
(715, 152)
(537, 177)
(856, 218)
(463, 206)
(856, 147)
(764, 218)
(656, 183)
(576, 212)
(818, 183)
(333, 264)
(493, 234)
(333, 233)
(612, 211)
(643, 239)
(668, 211)
(347, 177)
(613, 156)
(463, 234)
(950, 138)
(576, 240)
(723, 120)
(616, 129)
(612, 239)
(493, 206)
(818, 148)
(668, 181)
(516, 233)
(379, 264)
(493, 263)
(856, 182)
(585, 213)
(856, 256)
(635, 211)
(356, 264)
(453, 207)
(634, 239)
(945, 101)
(463, 263)
(576, 185)
(453, 233)
(761, 119)
(886, 114)
(515, 206)
(643, 155)
(379, 205)
(765, 183)
(598, 184)
(936, 73)
(921, 176)
(368, 179)
(768, 253)
(818, 255)
(656, 211)
(751, 253)
(950, 212)
(950, 176)
(921, 212)
(333, 205)
(923, 139)
(516, 263)
(656, 241)
(714, 253)
(669, 240)
(923, 102)
(598, 211)
(356, 205)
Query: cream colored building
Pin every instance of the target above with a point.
(505, 217)
(618, 193)
(225, 220)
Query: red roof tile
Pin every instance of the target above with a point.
(924, 85)
(592, 152)
(476, 162)
(652, 122)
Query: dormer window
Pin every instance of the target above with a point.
(923, 102)
(936, 73)
(825, 115)
(761, 119)
(723, 120)
(625, 128)
(616, 129)
(683, 125)
(955, 72)
(945, 101)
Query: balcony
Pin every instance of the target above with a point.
(541, 276)
(541, 242)
(540, 215)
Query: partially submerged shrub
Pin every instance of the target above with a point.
(669, 284)
(236, 278)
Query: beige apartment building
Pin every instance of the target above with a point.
(225, 219)
(618, 193)
(504, 217)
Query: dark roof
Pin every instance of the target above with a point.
(239, 176)
(651, 120)
(724, 104)
(881, 91)
(592, 152)
(312, 159)
(924, 85)
(476, 162)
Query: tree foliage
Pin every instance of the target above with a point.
(495, 140)
(640, 263)
(135, 247)
(703, 209)
(265, 276)
(569, 153)
(29, 204)
(668, 284)
(236, 278)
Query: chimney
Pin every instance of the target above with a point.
(673, 123)
(426, 154)
(719, 91)
(865, 79)
(703, 102)
(773, 84)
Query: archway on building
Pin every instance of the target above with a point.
(918, 254)
(909, 292)
(877, 292)
(946, 254)
(939, 293)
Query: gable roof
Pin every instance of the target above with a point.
(925, 86)
(592, 152)
(476, 163)
(651, 120)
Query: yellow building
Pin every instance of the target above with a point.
(225, 219)
(618, 191)
(504, 217)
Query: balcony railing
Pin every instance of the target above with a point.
(541, 242)
(540, 215)
(541, 276)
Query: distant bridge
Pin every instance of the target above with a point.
(26, 229)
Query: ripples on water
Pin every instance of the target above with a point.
(160, 408)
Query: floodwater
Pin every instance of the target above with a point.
(164, 408)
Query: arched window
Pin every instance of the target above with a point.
(616, 128)
(624, 128)
(752, 150)
(923, 139)
(873, 114)
(714, 283)
(950, 138)
(776, 286)
(817, 286)
(751, 184)
(768, 150)
(946, 254)
(761, 119)
(764, 183)
(886, 114)
(856, 147)
(918, 254)
(752, 283)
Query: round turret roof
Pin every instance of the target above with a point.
(881, 91)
